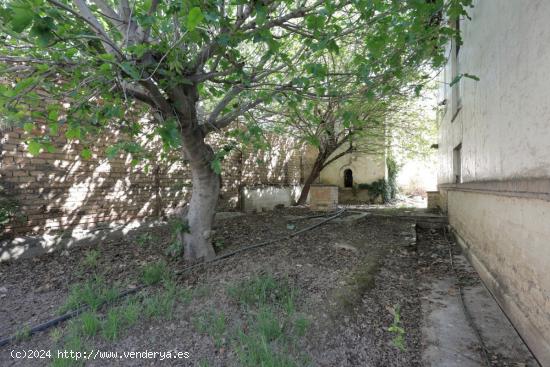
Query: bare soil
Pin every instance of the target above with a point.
(349, 277)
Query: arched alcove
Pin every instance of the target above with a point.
(348, 178)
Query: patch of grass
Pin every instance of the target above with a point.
(90, 323)
(23, 334)
(112, 325)
(202, 291)
(92, 293)
(263, 290)
(144, 239)
(154, 273)
(399, 339)
(160, 305)
(91, 258)
(267, 324)
(56, 335)
(73, 343)
(180, 294)
(272, 331)
(255, 351)
(301, 325)
(219, 244)
(212, 323)
(120, 318)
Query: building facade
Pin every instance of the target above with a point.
(494, 157)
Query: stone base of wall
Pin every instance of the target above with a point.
(323, 197)
(357, 196)
(505, 235)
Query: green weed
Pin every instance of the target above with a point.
(23, 334)
(91, 258)
(90, 323)
(301, 325)
(263, 290)
(144, 239)
(154, 273)
(399, 339)
(255, 351)
(160, 305)
(213, 324)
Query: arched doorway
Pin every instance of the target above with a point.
(348, 178)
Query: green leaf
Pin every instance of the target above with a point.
(34, 147)
(21, 18)
(474, 77)
(111, 152)
(194, 18)
(216, 165)
(54, 127)
(42, 29)
(73, 132)
(28, 126)
(130, 69)
(86, 153)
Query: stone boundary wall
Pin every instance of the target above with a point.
(61, 190)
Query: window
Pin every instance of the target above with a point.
(455, 89)
(348, 178)
(457, 163)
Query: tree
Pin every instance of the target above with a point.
(90, 64)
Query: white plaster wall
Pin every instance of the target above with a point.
(267, 198)
(504, 128)
(504, 122)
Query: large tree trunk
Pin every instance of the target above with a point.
(202, 209)
(313, 175)
(197, 240)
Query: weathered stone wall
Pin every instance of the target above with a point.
(60, 190)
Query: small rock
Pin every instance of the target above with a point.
(65, 253)
(345, 246)
(3, 290)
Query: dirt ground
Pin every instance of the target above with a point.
(351, 282)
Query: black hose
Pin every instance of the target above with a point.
(69, 315)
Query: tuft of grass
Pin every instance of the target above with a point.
(56, 335)
(213, 324)
(93, 293)
(90, 323)
(154, 273)
(267, 325)
(219, 244)
(301, 325)
(119, 319)
(160, 305)
(112, 326)
(23, 334)
(73, 343)
(398, 340)
(144, 239)
(255, 351)
(91, 258)
(263, 290)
